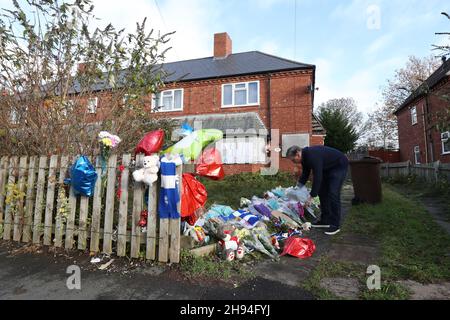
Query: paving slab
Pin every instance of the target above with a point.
(346, 288)
(420, 291)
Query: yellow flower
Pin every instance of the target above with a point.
(107, 142)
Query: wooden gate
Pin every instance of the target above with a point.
(36, 206)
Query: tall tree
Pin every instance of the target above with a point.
(407, 79)
(341, 134)
(381, 129)
(348, 108)
(48, 103)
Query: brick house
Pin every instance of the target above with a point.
(419, 139)
(245, 95)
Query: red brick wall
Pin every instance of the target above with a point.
(413, 135)
(410, 135)
(436, 105)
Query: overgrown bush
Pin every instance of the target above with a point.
(52, 61)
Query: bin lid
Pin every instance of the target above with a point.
(367, 159)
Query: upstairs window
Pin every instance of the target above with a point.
(413, 115)
(169, 100)
(445, 138)
(240, 94)
(92, 105)
(417, 154)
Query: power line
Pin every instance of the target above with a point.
(165, 25)
(295, 30)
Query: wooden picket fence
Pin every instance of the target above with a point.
(429, 172)
(33, 209)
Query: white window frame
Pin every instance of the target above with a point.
(416, 152)
(233, 90)
(443, 142)
(173, 101)
(89, 107)
(413, 117)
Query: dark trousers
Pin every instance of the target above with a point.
(330, 195)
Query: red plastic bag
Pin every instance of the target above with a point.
(299, 247)
(193, 197)
(210, 165)
(151, 143)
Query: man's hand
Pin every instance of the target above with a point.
(308, 202)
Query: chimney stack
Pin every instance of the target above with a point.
(82, 66)
(222, 45)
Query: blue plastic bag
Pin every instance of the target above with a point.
(83, 177)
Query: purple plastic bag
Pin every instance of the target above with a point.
(262, 209)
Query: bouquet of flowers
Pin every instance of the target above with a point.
(107, 142)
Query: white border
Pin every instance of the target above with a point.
(410, 112)
(232, 95)
(173, 101)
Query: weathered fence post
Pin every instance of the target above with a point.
(3, 179)
(96, 208)
(109, 205)
(28, 219)
(408, 167)
(123, 206)
(437, 167)
(175, 224)
(138, 196)
(19, 216)
(13, 162)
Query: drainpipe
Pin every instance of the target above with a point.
(425, 131)
(429, 129)
(269, 95)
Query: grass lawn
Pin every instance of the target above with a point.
(412, 247)
(230, 190)
(438, 193)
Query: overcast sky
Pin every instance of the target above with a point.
(356, 45)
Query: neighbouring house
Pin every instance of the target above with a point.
(419, 139)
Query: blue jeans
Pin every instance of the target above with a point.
(330, 195)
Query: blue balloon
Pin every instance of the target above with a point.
(83, 177)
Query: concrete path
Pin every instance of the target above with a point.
(37, 276)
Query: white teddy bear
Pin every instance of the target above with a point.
(149, 173)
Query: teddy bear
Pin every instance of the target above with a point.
(149, 173)
(229, 245)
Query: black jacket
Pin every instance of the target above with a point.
(320, 159)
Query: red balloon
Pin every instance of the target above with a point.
(151, 143)
(210, 165)
(193, 197)
(299, 247)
